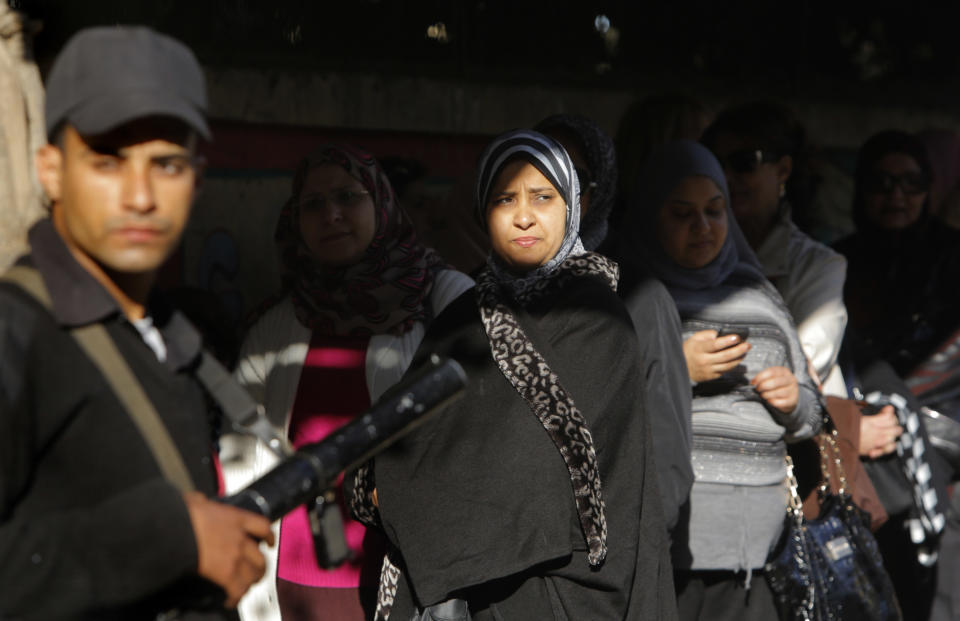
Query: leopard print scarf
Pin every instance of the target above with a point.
(532, 378)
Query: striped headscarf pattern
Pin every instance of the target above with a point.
(515, 355)
(513, 351)
(555, 164)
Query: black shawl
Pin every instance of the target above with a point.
(478, 501)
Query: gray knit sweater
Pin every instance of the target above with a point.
(739, 497)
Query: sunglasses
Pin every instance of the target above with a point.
(747, 160)
(911, 183)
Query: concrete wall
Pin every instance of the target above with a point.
(244, 200)
(836, 115)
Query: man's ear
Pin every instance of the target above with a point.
(49, 164)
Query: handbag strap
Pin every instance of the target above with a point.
(103, 352)
(829, 436)
(238, 406)
(803, 608)
(795, 508)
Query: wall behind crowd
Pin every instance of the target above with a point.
(432, 81)
(266, 121)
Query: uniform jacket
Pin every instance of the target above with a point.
(89, 529)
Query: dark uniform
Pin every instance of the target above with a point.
(89, 529)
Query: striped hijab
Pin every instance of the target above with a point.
(553, 162)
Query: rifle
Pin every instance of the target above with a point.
(307, 476)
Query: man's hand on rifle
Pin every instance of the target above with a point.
(228, 553)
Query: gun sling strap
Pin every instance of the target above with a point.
(103, 352)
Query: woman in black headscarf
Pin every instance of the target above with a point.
(903, 265)
(534, 495)
(595, 159)
(902, 294)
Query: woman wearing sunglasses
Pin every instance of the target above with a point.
(903, 294)
(762, 150)
(902, 286)
(358, 290)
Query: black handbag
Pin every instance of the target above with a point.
(829, 568)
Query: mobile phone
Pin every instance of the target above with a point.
(742, 331)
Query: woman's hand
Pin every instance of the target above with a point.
(709, 357)
(778, 386)
(879, 433)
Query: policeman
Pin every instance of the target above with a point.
(105, 511)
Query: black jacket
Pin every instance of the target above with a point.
(88, 528)
(668, 389)
(902, 292)
(479, 502)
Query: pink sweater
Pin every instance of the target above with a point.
(332, 391)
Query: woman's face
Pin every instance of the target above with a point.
(526, 217)
(336, 216)
(895, 192)
(753, 180)
(693, 222)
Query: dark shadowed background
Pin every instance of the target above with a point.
(433, 80)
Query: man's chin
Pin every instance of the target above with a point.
(140, 261)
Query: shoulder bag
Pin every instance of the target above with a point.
(829, 567)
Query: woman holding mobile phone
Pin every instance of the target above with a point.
(751, 390)
(763, 150)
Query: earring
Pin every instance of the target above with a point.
(783, 190)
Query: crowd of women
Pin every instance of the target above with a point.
(640, 351)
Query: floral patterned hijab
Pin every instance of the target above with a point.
(387, 290)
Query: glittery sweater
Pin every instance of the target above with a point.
(739, 496)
